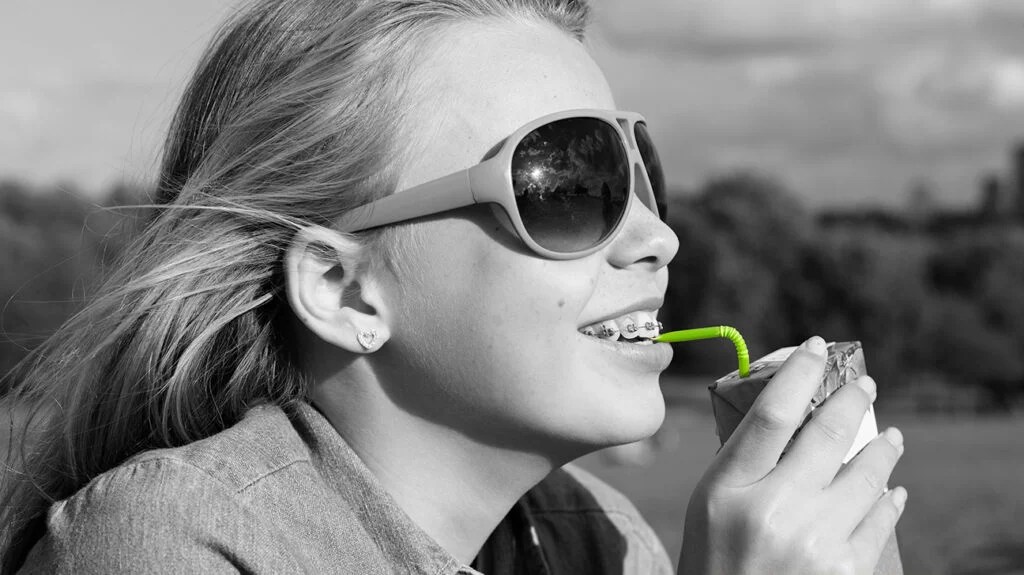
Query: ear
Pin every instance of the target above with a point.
(324, 282)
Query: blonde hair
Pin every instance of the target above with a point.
(291, 119)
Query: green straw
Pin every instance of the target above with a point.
(730, 333)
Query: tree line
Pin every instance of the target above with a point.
(927, 306)
(930, 304)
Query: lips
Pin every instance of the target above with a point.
(638, 353)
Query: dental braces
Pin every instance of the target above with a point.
(631, 328)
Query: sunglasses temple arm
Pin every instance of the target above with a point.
(440, 195)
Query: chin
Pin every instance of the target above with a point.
(620, 418)
(635, 424)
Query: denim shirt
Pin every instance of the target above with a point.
(281, 492)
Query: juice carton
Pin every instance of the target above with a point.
(732, 396)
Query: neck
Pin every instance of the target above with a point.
(455, 489)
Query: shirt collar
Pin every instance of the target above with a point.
(401, 540)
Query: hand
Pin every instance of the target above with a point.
(752, 513)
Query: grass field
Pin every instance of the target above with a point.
(965, 478)
(965, 513)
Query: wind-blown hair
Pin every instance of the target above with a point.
(293, 117)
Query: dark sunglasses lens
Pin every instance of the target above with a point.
(571, 180)
(653, 164)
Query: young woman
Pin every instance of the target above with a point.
(407, 263)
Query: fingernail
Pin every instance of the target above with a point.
(894, 436)
(814, 344)
(868, 385)
(899, 498)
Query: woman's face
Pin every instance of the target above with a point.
(485, 334)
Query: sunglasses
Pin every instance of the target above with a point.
(564, 180)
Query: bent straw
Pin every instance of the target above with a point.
(724, 331)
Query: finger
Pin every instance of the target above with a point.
(754, 448)
(870, 538)
(819, 448)
(858, 486)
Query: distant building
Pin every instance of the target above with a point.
(992, 205)
(921, 204)
(1018, 179)
(1001, 204)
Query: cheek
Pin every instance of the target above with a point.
(518, 313)
(528, 298)
(486, 311)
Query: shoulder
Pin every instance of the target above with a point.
(158, 515)
(226, 465)
(262, 444)
(141, 497)
(578, 506)
(170, 509)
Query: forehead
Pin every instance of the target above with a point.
(482, 80)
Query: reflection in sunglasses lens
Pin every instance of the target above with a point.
(653, 164)
(571, 181)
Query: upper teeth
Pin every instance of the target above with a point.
(632, 325)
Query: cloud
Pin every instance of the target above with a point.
(750, 28)
(842, 98)
(948, 98)
(1007, 83)
(717, 28)
(976, 81)
(848, 99)
(19, 109)
(86, 89)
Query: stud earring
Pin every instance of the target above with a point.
(367, 338)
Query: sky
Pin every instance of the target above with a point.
(845, 101)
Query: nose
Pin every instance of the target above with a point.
(645, 240)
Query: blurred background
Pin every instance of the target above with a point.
(847, 168)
